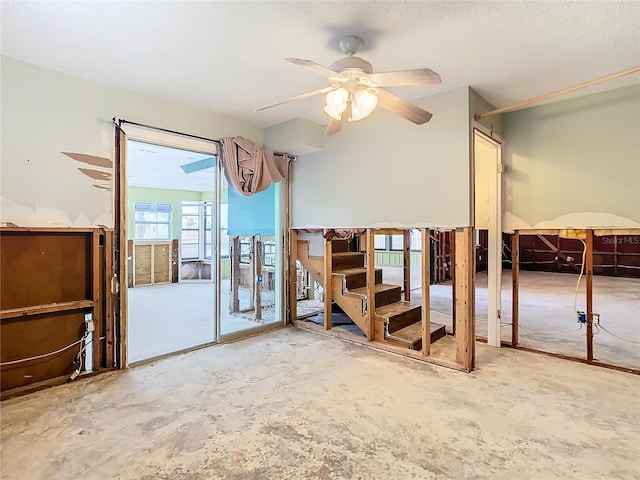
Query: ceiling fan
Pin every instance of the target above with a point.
(355, 90)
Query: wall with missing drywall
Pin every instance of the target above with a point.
(574, 163)
(385, 171)
(45, 114)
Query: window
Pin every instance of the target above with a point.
(152, 221)
(395, 242)
(196, 233)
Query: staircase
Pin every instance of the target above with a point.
(396, 321)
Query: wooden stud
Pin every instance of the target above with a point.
(109, 341)
(327, 277)
(515, 285)
(426, 284)
(97, 297)
(46, 308)
(589, 277)
(258, 277)
(234, 283)
(293, 276)
(371, 286)
(452, 274)
(252, 270)
(464, 288)
(406, 264)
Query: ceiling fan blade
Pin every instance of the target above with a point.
(314, 66)
(304, 95)
(334, 125)
(419, 76)
(407, 110)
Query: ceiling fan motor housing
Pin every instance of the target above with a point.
(346, 65)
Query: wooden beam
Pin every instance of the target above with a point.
(293, 276)
(252, 270)
(464, 307)
(406, 264)
(426, 283)
(452, 274)
(326, 287)
(371, 286)
(557, 93)
(616, 231)
(557, 251)
(46, 308)
(589, 277)
(515, 280)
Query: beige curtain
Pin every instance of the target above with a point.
(248, 168)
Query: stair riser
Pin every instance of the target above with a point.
(342, 262)
(399, 322)
(359, 280)
(338, 246)
(388, 297)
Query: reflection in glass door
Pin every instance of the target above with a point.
(250, 260)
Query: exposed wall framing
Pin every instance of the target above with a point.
(52, 278)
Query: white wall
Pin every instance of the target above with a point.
(387, 172)
(45, 113)
(574, 163)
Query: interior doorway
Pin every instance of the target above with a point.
(488, 225)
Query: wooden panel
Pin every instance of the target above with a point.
(130, 263)
(44, 267)
(38, 335)
(426, 299)
(142, 258)
(464, 298)
(175, 261)
(161, 263)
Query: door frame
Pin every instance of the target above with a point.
(494, 262)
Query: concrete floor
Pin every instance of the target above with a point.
(172, 317)
(547, 319)
(290, 404)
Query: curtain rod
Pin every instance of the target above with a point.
(122, 120)
(531, 101)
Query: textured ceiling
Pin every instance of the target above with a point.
(229, 56)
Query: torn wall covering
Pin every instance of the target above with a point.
(57, 144)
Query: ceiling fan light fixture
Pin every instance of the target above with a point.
(365, 102)
(336, 102)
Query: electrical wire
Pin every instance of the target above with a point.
(618, 337)
(37, 357)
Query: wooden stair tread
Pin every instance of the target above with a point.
(347, 254)
(395, 309)
(353, 271)
(411, 336)
(379, 287)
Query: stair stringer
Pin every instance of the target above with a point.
(353, 304)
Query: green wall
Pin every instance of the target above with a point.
(394, 258)
(162, 195)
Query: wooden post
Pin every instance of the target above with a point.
(464, 288)
(589, 274)
(293, 276)
(234, 299)
(515, 281)
(252, 270)
(108, 358)
(371, 286)
(426, 283)
(257, 279)
(328, 295)
(406, 263)
(452, 274)
(97, 298)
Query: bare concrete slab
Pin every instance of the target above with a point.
(291, 404)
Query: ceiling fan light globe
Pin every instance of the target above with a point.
(365, 103)
(332, 112)
(338, 98)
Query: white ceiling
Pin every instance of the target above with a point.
(229, 56)
(155, 166)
